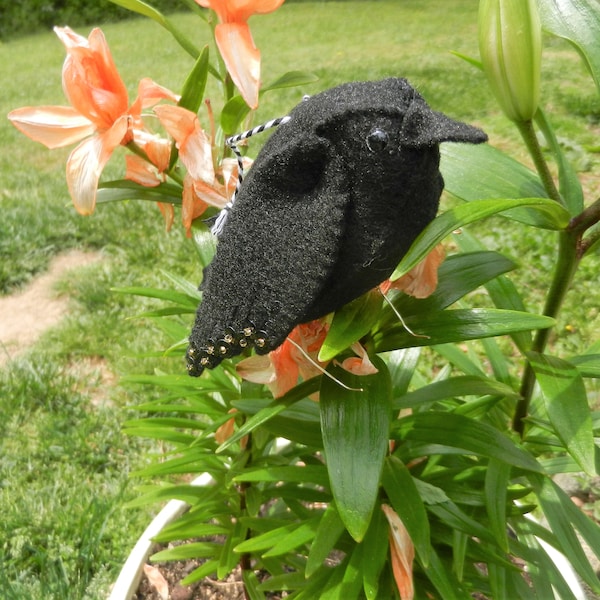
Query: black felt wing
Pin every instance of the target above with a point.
(275, 254)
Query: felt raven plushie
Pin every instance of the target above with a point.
(333, 201)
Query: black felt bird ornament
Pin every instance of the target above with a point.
(332, 203)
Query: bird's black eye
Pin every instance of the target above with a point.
(377, 139)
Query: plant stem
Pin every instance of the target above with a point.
(590, 216)
(529, 136)
(564, 271)
(245, 562)
(589, 241)
(566, 265)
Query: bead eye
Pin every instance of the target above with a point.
(377, 139)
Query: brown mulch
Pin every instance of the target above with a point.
(174, 572)
(207, 589)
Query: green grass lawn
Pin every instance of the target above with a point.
(64, 464)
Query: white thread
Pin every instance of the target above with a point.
(321, 369)
(397, 313)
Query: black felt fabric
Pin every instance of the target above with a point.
(332, 203)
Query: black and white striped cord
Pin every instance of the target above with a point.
(232, 142)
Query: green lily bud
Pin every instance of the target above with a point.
(510, 44)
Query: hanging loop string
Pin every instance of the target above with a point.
(232, 142)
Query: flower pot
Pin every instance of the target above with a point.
(129, 578)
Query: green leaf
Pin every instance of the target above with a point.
(402, 364)
(453, 517)
(229, 558)
(191, 550)
(345, 582)
(350, 323)
(195, 83)
(355, 426)
(482, 172)
(277, 406)
(305, 474)
(502, 290)
(587, 364)
(300, 422)
(497, 477)
(577, 21)
(251, 584)
(300, 536)
(475, 172)
(233, 113)
(160, 294)
(465, 362)
(461, 273)
(499, 361)
(291, 79)
(454, 387)
(352, 581)
(458, 275)
(444, 580)
(406, 500)
(457, 431)
(567, 406)
(208, 568)
(476, 210)
(114, 191)
(457, 326)
(141, 8)
(196, 530)
(282, 581)
(187, 493)
(559, 510)
(264, 541)
(183, 284)
(193, 460)
(204, 241)
(569, 184)
(375, 552)
(328, 532)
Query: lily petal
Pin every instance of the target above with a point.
(361, 364)
(151, 92)
(242, 58)
(421, 281)
(191, 205)
(157, 149)
(257, 369)
(141, 171)
(402, 553)
(286, 369)
(53, 126)
(86, 162)
(168, 212)
(69, 38)
(240, 10)
(90, 78)
(194, 146)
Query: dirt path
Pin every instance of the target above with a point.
(25, 315)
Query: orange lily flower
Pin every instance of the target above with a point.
(402, 553)
(297, 357)
(359, 364)
(151, 172)
(235, 42)
(421, 281)
(99, 116)
(280, 369)
(203, 185)
(225, 431)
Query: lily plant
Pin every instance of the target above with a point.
(344, 465)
